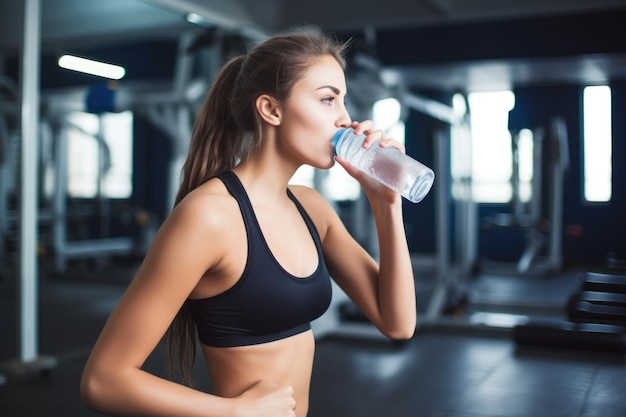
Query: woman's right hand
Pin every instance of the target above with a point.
(266, 399)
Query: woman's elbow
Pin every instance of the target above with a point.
(401, 334)
(405, 331)
(92, 390)
(88, 390)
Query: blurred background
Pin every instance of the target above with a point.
(518, 251)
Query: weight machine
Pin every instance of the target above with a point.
(541, 224)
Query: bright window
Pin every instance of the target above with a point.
(387, 115)
(597, 144)
(100, 155)
(491, 146)
(525, 151)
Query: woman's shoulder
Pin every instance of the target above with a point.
(208, 206)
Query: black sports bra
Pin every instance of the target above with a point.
(266, 303)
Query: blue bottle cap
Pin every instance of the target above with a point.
(338, 135)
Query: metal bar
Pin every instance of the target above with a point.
(93, 247)
(28, 203)
(433, 108)
(214, 15)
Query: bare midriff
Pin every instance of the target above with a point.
(287, 361)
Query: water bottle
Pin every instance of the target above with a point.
(389, 166)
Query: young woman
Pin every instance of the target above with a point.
(244, 261)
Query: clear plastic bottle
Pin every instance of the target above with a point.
(390, 166)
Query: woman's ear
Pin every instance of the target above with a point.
(269, 109)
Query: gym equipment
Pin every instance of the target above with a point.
(65, 249)
(564, 334)
(542, 228)
(600, 299)
(594, 281)
(585, 311)
(596, 318)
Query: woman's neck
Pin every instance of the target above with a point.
(265, 181)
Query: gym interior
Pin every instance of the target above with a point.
(518, 250)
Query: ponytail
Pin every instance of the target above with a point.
(216, 143)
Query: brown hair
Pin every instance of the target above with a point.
(228, 127)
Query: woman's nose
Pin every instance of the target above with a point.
(344, 119)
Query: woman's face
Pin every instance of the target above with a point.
(312, 114)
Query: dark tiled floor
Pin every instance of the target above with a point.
(444, 371)
(441, 374)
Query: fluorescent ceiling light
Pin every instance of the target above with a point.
(194, 18)
(88, 66)
(197, 19)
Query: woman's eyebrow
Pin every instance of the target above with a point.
(333, 89)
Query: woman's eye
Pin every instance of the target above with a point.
(328, 100)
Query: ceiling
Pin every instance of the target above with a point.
(420, 29)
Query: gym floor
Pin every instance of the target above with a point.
(443, 371)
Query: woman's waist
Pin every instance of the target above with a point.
(286, 361)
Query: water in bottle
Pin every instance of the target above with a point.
(390, 166)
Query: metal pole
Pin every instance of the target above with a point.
(439, 297)
(467, 229)
(442, 155)
(182, 137)
(559, 162)
(4, 172)
(28, 203)
(59, 217)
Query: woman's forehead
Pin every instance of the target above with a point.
(325, 72)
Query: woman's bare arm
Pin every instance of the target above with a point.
(189, 244)
(386, 292)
